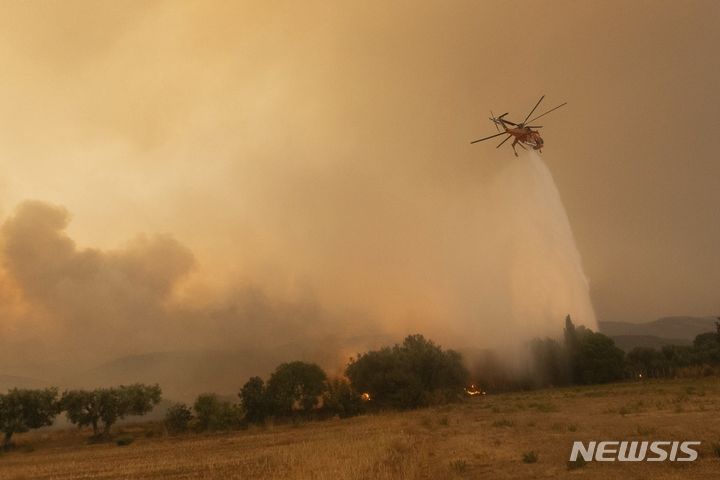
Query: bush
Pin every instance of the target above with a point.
(295, 386)
(211, 413)
(530, 457)
(177, 418)
(459, 466)
(124, 440)
(414, 374)
(715, 447)
(341, 399)
(504, 422)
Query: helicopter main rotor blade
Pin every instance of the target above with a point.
(531, 111)
(488, 138)
(551, 110)
(492, 117)
(504, 141)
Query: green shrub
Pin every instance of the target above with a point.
(503, 423)
(177, 418)
(124, 440)
(544, 407)
(579, 463)
(459, 466)
(341, 399)
(211, 413)
(715, 446)
(530, 457)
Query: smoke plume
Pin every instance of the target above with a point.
(492, 273)
(289, 190)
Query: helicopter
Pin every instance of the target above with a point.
(522, 132)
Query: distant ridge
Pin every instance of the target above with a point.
(185, 374)
(668, 327)
(13, 381)
(663, 331)
(628, 342)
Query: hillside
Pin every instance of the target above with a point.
(185, 374)
(628, 342)
(660, 332)
(15, 381)
(667, 327)
(482, 438)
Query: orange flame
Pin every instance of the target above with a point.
(473, 390)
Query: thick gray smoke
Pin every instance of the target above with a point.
(309, 164)
(81, 302)
(67, 310)
(497, 272)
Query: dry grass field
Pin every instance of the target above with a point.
(482, 438)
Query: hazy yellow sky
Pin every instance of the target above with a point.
(294, 145)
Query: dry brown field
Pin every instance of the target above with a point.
(482, 438)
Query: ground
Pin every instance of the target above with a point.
(482, 438)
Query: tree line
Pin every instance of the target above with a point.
(409, 375)
(585, 357)
(415, 373)
(25, 409)
(700, 358)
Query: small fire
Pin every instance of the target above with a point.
(365, 397)
(473, 390)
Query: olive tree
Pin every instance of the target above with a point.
(23, 409)
(108, 405)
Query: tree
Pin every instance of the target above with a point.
(551, 363)
(254, 400)
(341, 399)
(647, 362)
(706, 349)
(22, 409)
(410, 375)
(136, 399)
(177, 418)
(211, 413)
(82, 408)
(678, 355)
(705, 341)
(295, 386)
(597, 359)
(108, 405)
(570, 335)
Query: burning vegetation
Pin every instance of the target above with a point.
(474, 391)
